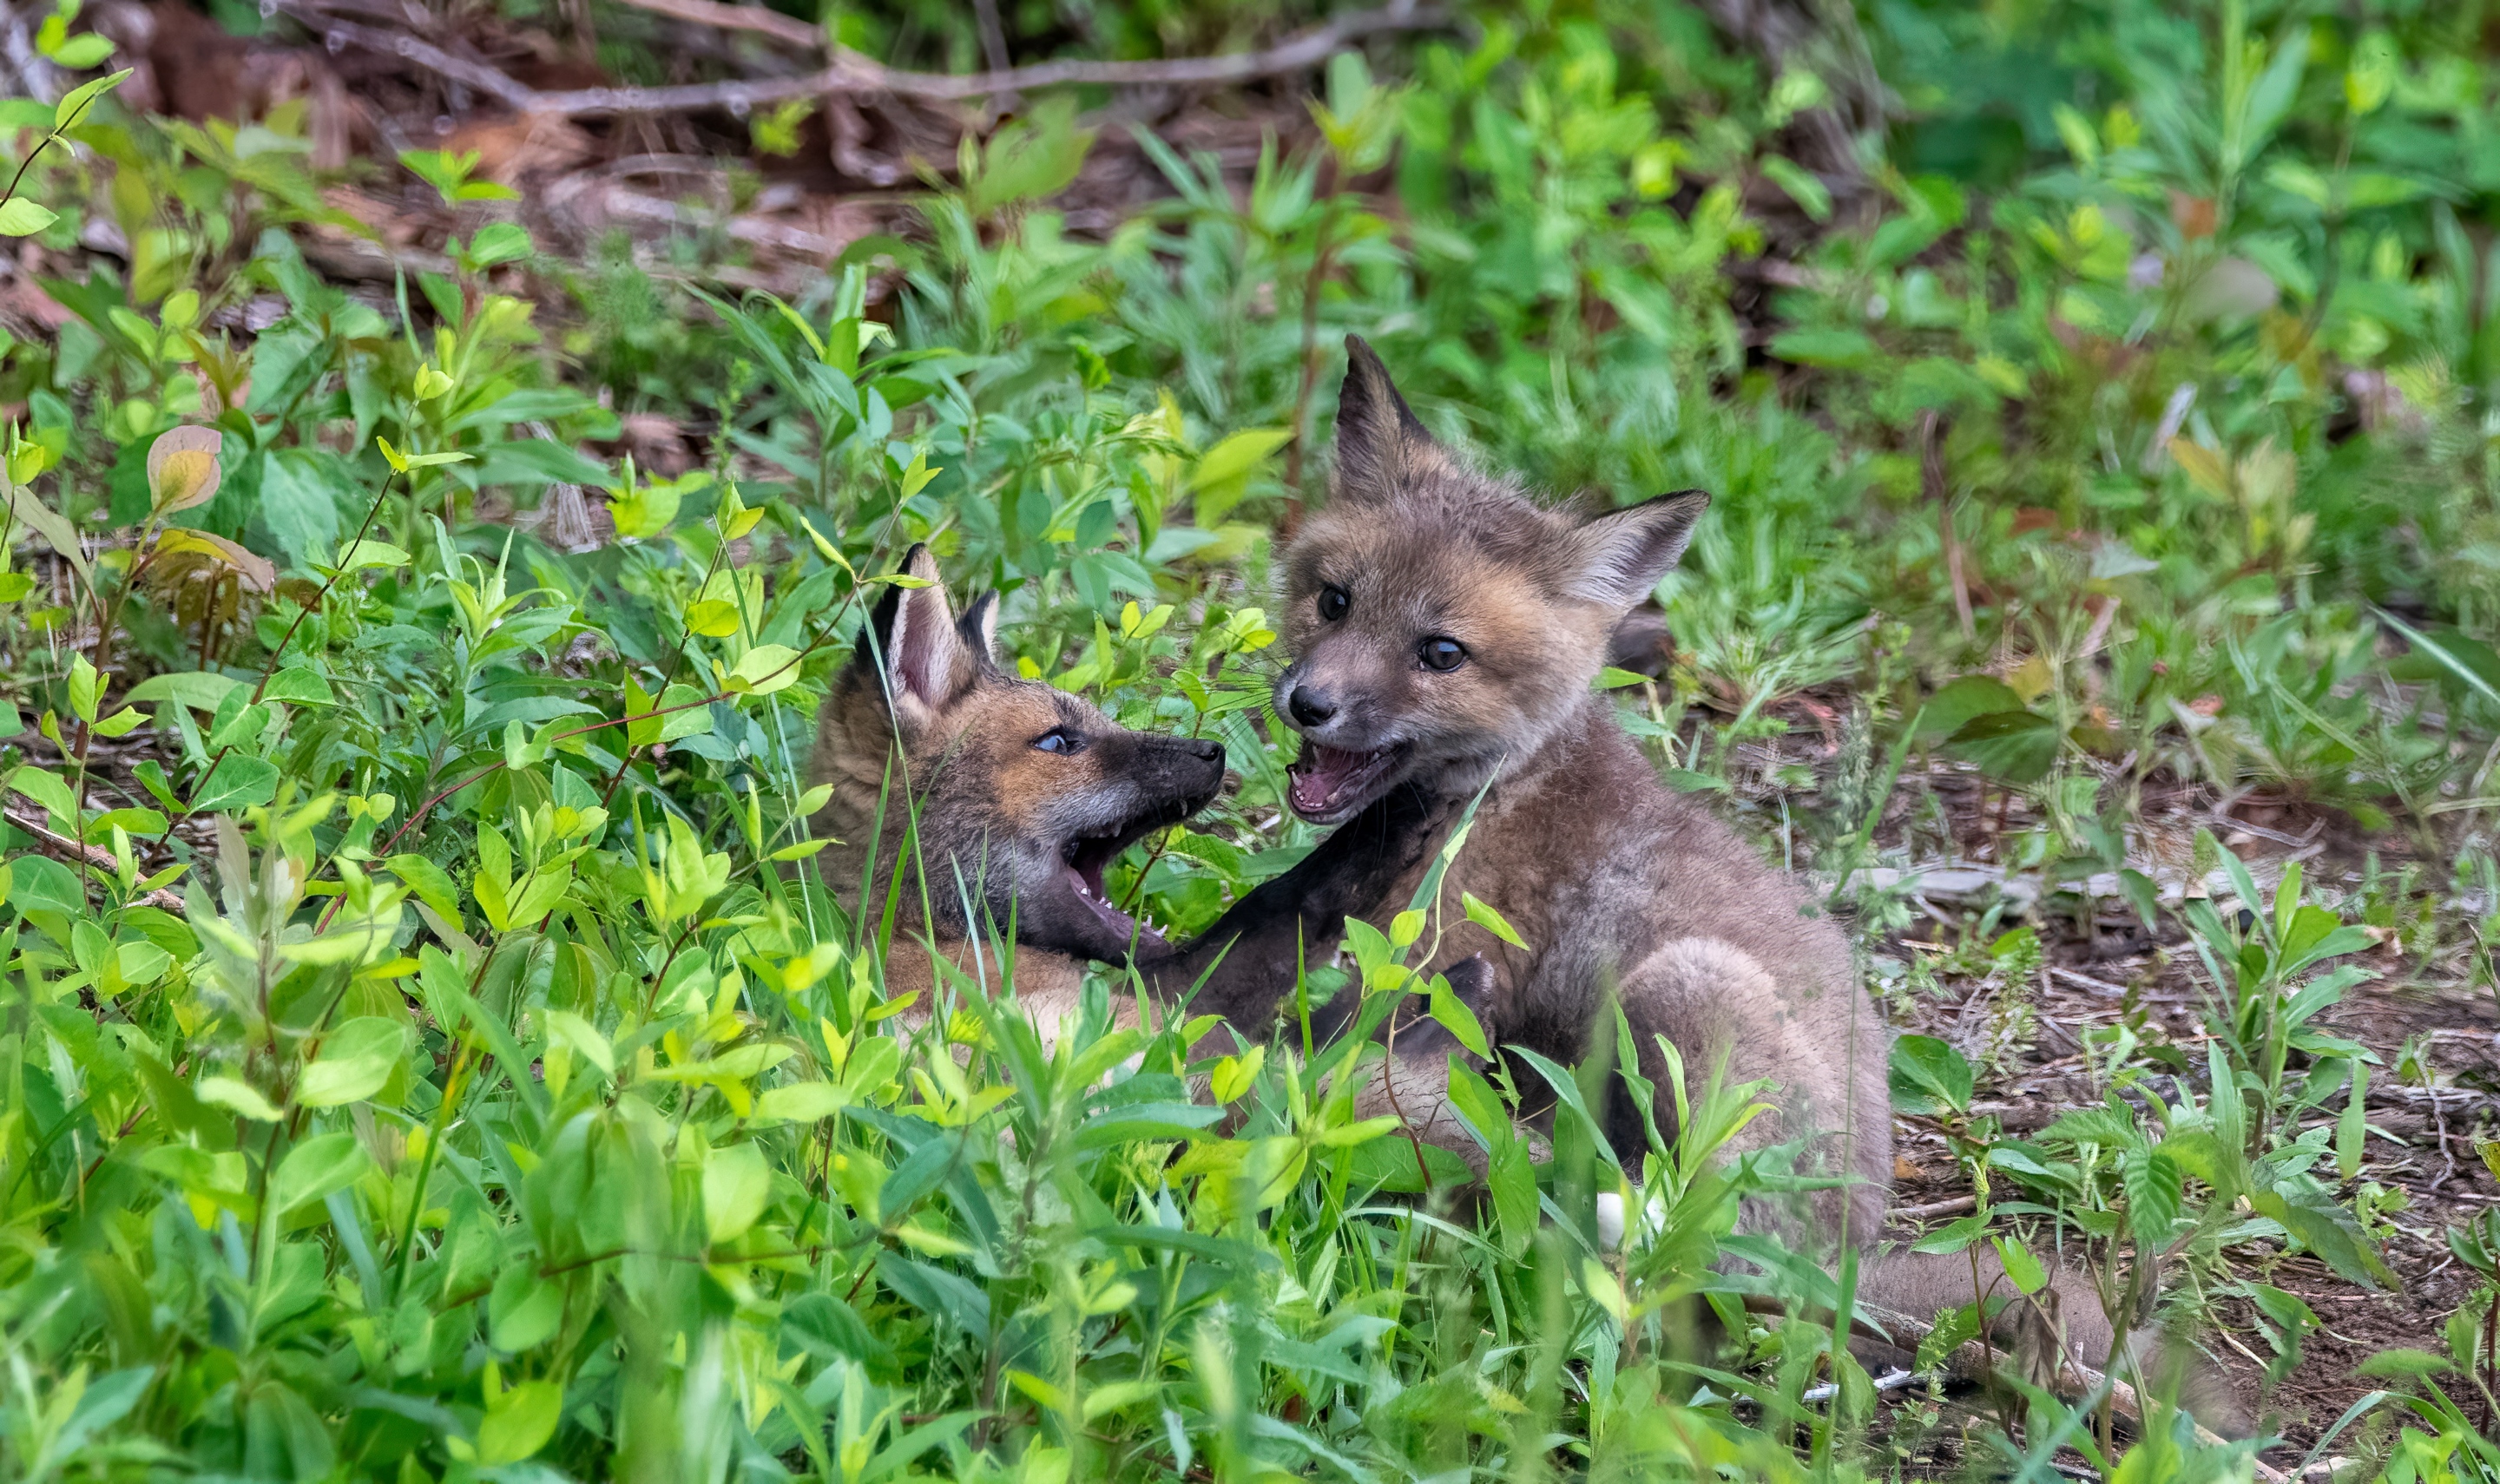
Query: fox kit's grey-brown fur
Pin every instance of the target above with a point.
(1444, 630)
(980, 804)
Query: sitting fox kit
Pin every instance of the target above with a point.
(1444, 630)
(984, 806)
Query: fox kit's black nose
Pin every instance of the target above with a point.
(1205, 749)
(1310, 707)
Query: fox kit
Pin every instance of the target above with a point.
(1444, 632)
(975, 803)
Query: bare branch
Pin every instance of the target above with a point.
(56, 842)
(849, 72)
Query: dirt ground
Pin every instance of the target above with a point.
(2423, 1013)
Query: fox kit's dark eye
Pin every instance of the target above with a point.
(1441, 653)
(1059, 740)
(1334, 601)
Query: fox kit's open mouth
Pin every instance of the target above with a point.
(1328, 785)
(1086, 857)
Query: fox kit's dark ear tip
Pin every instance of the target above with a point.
(979, 627)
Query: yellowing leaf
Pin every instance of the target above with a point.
(2203, 466)
(183, 469)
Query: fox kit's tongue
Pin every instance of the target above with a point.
(1324, 778)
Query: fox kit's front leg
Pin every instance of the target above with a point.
(1245, 966)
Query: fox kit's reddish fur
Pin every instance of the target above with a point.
(979, 804)
(1444, 632)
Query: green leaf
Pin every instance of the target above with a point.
(74, 103)
(1930, 1077)
(88, 48)
(1954, 1236)
(431, 885)
(519, 1422)
(361, 554)
(356, 1059)
(2315, 1220)
(237, 783)
(765, 670)
(21, 217)
(2351, 1126)
(1483, 914)
(2012, 747)
(1803, 187)
(48, 790)
(46, 522)
(1456, 1019)
(524, 1310)
(2154, 1192)
(2021, 1266)
(1838, 349)
(1953, 707)
(313, 1169)
(199, 690)
(799, 1102)
(299, 686)
(237, 1097)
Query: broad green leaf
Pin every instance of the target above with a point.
(1483, 914)
(356, 1061)
(2012, 747)
(315, 1168)
(1454, 1016)
(199, 690)
(799, 1102)
(238, 1097)
(736, 1184)
(1953, 707)
(299, 686)
(74, 103)
(237, 783)
(765, 670)
(21, 217)
(1930, 1077)
(2021, 1266)
(520, 1423)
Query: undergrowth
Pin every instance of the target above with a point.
(429, 1049)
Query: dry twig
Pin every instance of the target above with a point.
(849, 73)
(58, 844)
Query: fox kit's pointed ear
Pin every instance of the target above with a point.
(1622, 555)
(978, 629)
(1377, 435)
(924, 663)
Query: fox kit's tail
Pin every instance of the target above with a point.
(2040, 1335)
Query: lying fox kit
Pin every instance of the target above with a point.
(980, 805)
(1444, 632)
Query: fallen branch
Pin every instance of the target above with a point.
(849, 72)
(1958, 1206)
(57, 844)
